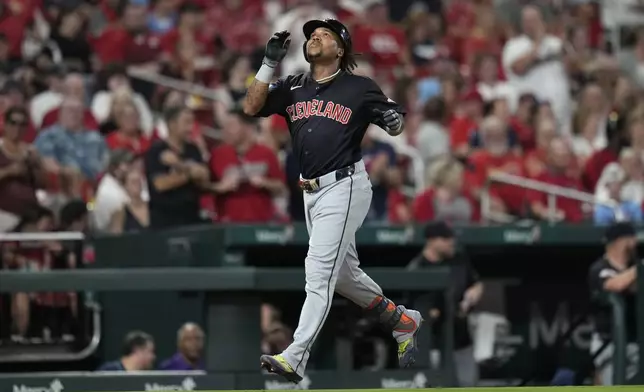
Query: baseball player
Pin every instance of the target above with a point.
(328, 111)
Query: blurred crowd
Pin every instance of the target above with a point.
(544, 90)
(129, 109)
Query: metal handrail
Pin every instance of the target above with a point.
(85, 353)
(44, 236)
(173, 83)
(553, 192)
(92, 306)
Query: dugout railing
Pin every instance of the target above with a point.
(232, 300)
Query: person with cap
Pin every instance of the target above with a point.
(110, 194)
(440, 249)
(247, 174)
(614, 272)
(328, 111)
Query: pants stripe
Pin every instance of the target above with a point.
(328, 286)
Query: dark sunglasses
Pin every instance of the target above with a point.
(17, 123)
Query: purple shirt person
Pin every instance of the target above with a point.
(190, 341)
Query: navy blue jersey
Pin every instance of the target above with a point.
(327, 121)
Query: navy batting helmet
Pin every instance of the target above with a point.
(332, 24)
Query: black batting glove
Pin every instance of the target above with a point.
(276, 48)
(391, 121)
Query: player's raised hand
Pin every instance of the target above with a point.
(276, 48)
(390, 120)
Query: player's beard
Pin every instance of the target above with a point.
(314, 53)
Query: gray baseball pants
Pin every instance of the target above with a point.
(333, 215)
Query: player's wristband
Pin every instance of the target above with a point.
(265, 74)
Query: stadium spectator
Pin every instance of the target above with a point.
(398, 204)
(21, 170)
(460, 16)
(489, 84)
(162, 16)
(129, 41)
(619, 209)
(74, 87)
(134, 215)
(137, 354)
(446, 198)
(498, 108)
(630, 168)
(534, 161)
(467, 288)
(114, 85)
(632, 62)
(523, 120)
(25, 256)
(129, 135)
(57, 312)
(190, 341)
(70, 150)
(593, 101)
(49, 99)
(384, 43)
(560, 172)
(111, 194)
(233, 88)
(615, 272)
(533, 63)
(187, 46)
(467, 116)
(618, 137)
(121, 98)
(485, 38)
(633, 165)
(240, 24)
(423, 37)
(379, 159)
(586, 134)
(12, 95)
(246, 174)
(432, 139)
(175, 173)
(496, 155)
(70, 36)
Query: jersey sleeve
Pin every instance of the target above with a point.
(472, 275)
(598, 274)
(374, 98)
(279, 97)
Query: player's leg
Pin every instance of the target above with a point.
(335, 215)
(354, 284)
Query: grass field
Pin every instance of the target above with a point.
(633, 388)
